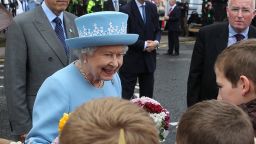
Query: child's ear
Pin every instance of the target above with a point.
(245, 85)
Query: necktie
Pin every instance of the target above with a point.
(60, 33)
(239, 37)
(143, 13)
(170, 10)
(116, 5)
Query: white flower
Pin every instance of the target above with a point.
(158, 118)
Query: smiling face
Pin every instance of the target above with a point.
(104, 62)
(57, 6)
(240, 14)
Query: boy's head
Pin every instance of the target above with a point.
(235, 72)
(214, 122)
(102, 121)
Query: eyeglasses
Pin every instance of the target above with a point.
(243, 10)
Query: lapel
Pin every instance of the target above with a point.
(171, 11)
(222, 39)
(136, 13)
(147, 13)
(111, 5)
(69, 27)
(251, 33)
(45, 29)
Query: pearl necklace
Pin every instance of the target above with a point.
(101, 83)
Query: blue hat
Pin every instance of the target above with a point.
(101, 29)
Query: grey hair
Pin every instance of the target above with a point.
(253, 4)
(88, 51)
(91, 50)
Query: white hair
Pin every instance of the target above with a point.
(91, 50)
(253, 4)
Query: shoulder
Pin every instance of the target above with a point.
(126, 6)
(59, 80)
(252, 28)
(214, 28)
(26, 16)
(178, 8)
(65, 72)
(70, 15)
(150, 4)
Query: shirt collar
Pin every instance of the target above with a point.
(139, 4)
(49, 14)
(232, 32)
(114, 1)
(172, 7)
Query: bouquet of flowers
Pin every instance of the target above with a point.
(160, 115)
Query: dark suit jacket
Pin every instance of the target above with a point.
(33, 52)
(108, 5)
(136, 60)
(174, 19)
(210, 42)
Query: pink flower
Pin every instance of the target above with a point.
(160, 115)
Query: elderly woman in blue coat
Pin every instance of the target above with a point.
(102, 41)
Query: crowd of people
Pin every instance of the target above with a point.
(56, 63)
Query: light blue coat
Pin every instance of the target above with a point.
(62, 93)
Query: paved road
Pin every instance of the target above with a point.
(170, 85)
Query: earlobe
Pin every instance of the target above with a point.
(245, 85)
(227, 11)
(84, 58)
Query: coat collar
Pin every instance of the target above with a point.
(222, 39)
(44, 27)
(136, 13)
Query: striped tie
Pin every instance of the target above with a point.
(239, 37)
(143, 13)
(60, 33)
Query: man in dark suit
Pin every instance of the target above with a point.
(113, 5)
(210, 42)
(173, 28)
(140, 59)
(253, 23)
(34, 51)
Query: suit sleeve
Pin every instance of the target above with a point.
(195, 72)
(15, 80)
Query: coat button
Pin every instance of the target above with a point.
(50, 59)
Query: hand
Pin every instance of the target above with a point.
(22, 137)
(166, 17)
(151, 45)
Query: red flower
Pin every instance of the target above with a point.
(152, 108)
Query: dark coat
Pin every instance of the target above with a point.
(210, 42)
(174, 19)
(108, 5)
(136, 60)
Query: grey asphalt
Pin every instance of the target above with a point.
(170, 84)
